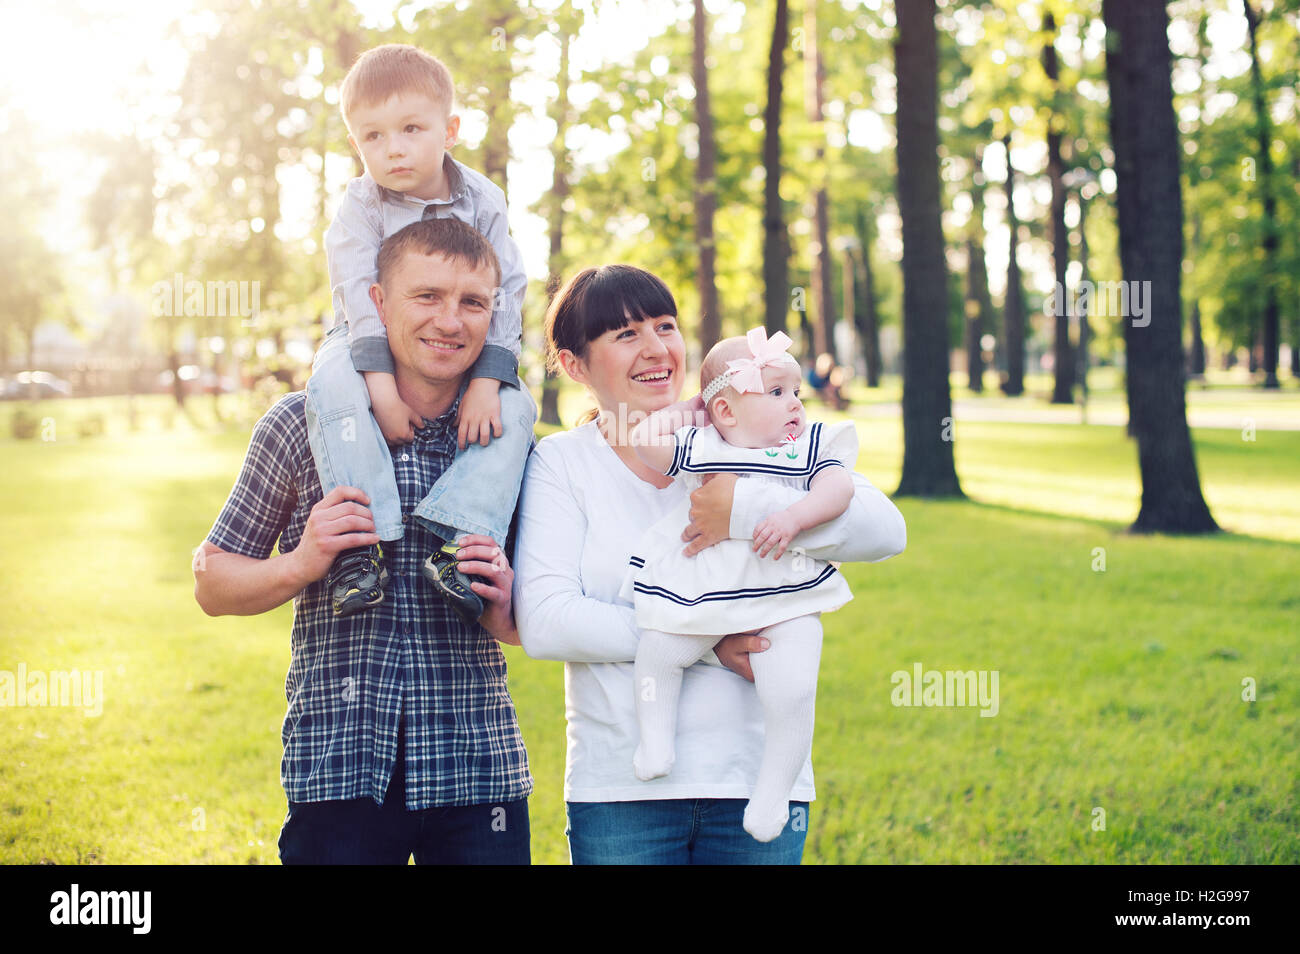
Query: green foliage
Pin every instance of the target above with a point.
(25, 422)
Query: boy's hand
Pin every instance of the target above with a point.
(396, 419)
(776, 531)
(480, 413)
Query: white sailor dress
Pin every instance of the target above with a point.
(728, 588)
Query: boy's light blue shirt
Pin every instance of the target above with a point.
(370, 213)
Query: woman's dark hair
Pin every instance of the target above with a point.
(597, 300)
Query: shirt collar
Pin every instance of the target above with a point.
(455, 187)
(438, 428)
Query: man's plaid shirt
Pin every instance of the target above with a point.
(411, 659)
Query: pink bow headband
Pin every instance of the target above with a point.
(746, 374)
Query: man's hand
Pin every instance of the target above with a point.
(339, 522)
(776, 531)
(710, 513)
(396, 419)
(733, 652)
(480, 556)
(480, 413)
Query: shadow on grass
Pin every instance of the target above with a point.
(1119, 528)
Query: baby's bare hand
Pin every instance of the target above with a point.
(775, 533)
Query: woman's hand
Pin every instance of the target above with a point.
(733, 652)
(480, 556)
(710, 513)
(699, 413)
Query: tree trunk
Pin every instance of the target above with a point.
(822, 294)
(974, 322)
(1264, 132)
(1063, 360)
(1084, 332)
(1196, 358)
(868, 319)
(496, 141)
(549, 412)
(1196, 353)
(776, 243)
(979, 307)
(928, 469)
(1145, 141)
(1014, 306)
(706, 189)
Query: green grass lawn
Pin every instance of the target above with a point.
(1120, 690)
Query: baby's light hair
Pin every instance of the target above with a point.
(384, 72)
(715, 363)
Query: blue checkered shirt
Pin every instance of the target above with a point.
(409, 662)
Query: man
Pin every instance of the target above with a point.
(400, 736)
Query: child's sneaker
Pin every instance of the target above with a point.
(440, 570)
(357, 580)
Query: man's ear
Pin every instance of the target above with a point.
(377, 296)
(573, 366)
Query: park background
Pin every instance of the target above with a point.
(750, 155)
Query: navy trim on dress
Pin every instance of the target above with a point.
(731, 595)
(822, 465)
(736, 467)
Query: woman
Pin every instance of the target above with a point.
(586, 499)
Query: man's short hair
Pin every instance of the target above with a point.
(450, 238)
(394, 68)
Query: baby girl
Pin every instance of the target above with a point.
(747, 421)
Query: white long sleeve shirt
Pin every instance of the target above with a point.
(581, 512)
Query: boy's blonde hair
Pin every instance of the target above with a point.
(393, 68)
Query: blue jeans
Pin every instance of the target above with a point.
(476, 494)
(359, 832)
(686, 831)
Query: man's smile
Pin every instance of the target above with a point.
(438, 344)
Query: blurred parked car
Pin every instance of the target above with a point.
(35, 384)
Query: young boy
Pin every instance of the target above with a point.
(397, 104)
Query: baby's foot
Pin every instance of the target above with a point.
(651, 761)
(766, 822)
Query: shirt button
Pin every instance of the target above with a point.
(406, 457)
(406, 517)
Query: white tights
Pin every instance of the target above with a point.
(785, 676)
